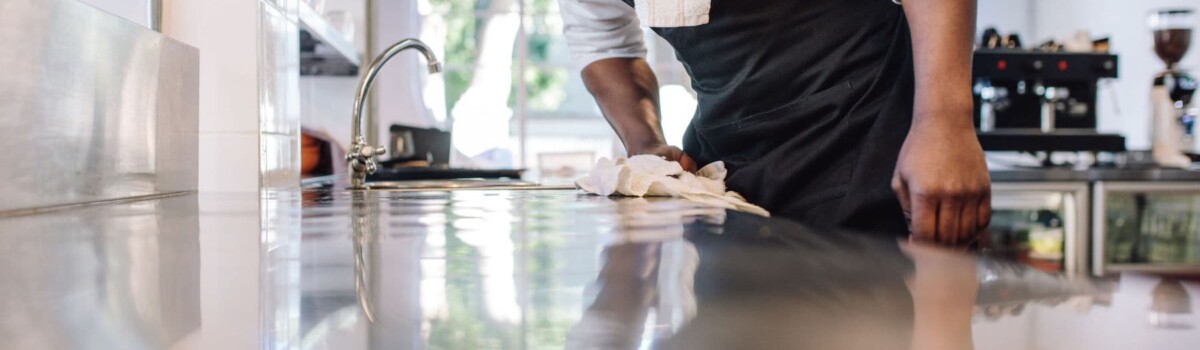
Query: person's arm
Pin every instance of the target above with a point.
(941, 177)
(605, 38)
(627, 92)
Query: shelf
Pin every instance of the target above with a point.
(324, 50)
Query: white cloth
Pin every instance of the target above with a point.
(672, 13)
(648, 175)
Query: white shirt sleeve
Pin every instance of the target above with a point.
(599, 29)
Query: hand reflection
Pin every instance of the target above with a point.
(627, 284)
(774, 284)
(943, 288)
(628, 278)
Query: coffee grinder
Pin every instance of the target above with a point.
(1172, 114)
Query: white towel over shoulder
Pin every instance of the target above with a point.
(648, 175)
(672, 13)
(676, 13)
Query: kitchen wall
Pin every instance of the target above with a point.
(1009, 16)
(1125, 22)
(1123, 104)
(326, 102)
(249, 68)
(249, 92)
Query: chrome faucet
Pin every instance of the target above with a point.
(361, 157)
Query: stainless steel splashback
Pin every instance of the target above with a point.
(92, 107)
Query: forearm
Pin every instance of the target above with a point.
(942, 38)
(941, 177)
(627, 92)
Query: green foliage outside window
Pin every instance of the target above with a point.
(463, 32)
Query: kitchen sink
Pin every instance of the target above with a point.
(436, 185)
(451, 184)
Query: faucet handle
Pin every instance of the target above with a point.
(366, 151)
(361, 157)
(361, 160)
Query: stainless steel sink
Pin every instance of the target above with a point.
(331, 181)
(457, 184)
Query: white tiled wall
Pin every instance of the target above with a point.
(279, 161)
(279, 94)
(228, 162)
(326, 106)
(249, 104)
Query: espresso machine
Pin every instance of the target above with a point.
(1039, 100)
(1172, 114)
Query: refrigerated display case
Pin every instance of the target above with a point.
(1149, 227)
(1040, 224)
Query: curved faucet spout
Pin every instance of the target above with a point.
(361, 157)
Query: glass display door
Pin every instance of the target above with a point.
(1146, 227)
(1042, 225)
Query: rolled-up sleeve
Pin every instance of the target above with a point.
(599, 29)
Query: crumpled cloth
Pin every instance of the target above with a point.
(654, 176)
(672, 13)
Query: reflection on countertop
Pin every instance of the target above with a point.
(510, 269)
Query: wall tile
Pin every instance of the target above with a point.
(279, 102)
(280, 161)
(221, 29)
(279, 73)
(287, 7)
(229, 162)
(326, 105)
(225, 32)
(249, 88)
(290, 64)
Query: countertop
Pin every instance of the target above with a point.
(532, 269)
(1018, 174)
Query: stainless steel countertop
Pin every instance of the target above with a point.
(525, 270)
(1092, 175)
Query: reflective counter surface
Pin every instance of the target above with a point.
(533, 269)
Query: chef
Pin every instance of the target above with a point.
(843, 113)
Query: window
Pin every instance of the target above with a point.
(513, 96)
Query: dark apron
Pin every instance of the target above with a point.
(807, 102)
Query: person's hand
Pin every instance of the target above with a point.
(669, 152)
(942, 182)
